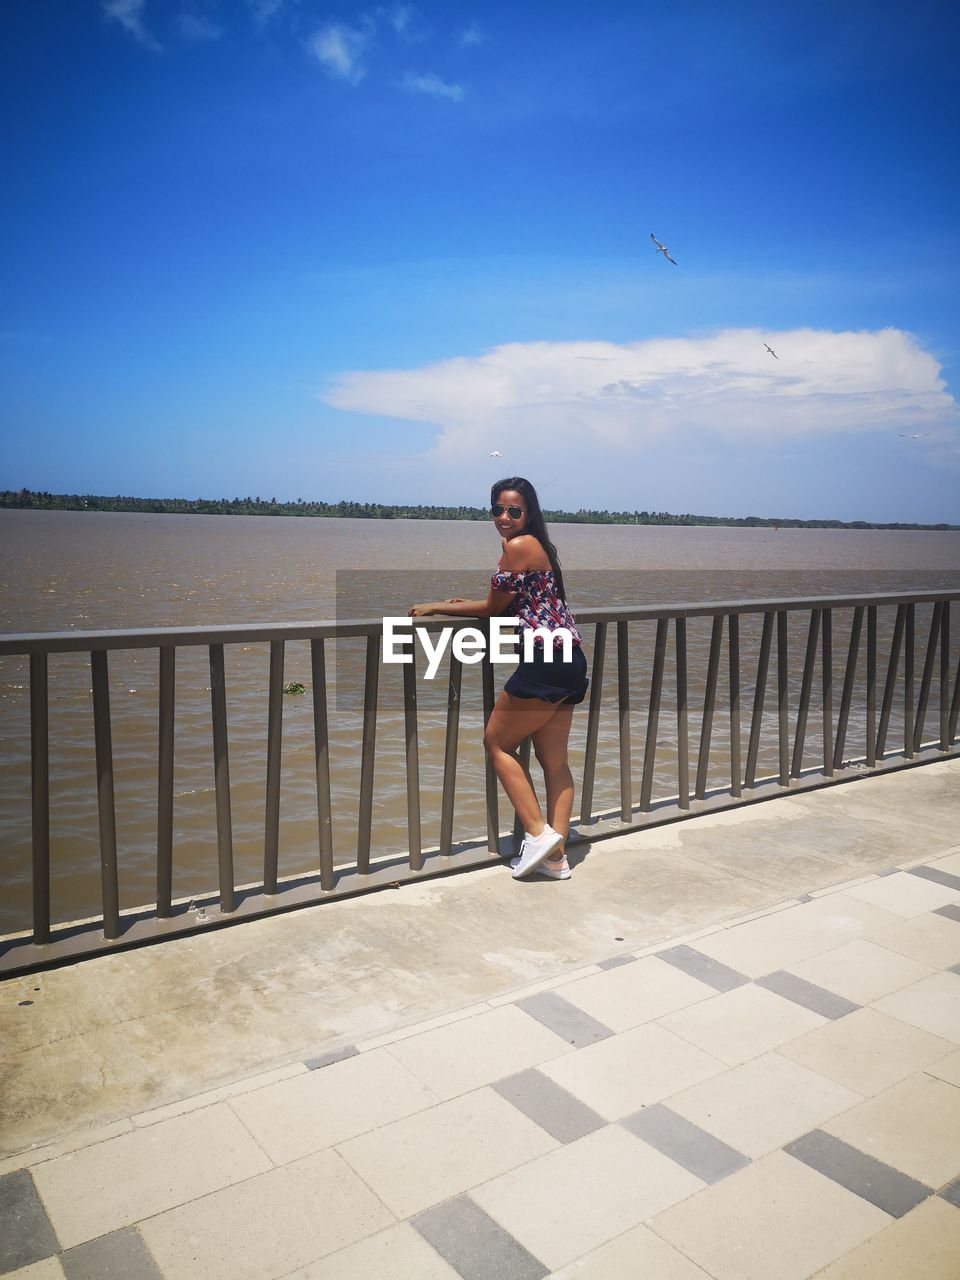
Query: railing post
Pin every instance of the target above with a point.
(954, 706)
(872, 686)
(890, 683)
(412, 763)
(783, 705)
(593, 722)
(709, 706)
(166, 704)
(623, 708)
(40, 796)
(826, 655)
(109, 888)
(927, 676)
(945, 677)
(908, 661)
(806, 687)
(450, 744)
(221, 768)
(491, 795)
(321, 751)
(733, 630)
(653, 716)
(759, 697)
(849, 677)
(683, 740)
(271, 822)
(371, 679)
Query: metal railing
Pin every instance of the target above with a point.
(47, 943)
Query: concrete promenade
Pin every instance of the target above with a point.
(728, 1048)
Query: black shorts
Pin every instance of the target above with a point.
(555, 681)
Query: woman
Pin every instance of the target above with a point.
(538, 699)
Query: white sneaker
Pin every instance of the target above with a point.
(555, 870)
(535, 850)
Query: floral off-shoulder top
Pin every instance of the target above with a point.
(536, 602)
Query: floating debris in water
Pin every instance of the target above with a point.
(294, 687)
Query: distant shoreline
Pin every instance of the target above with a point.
(34, 500)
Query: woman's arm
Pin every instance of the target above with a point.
(496, 603)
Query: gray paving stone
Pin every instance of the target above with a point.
(888, 871)
(872, 1180)
(328, 1059)
(945, 878)
(549, 1105)
(474, 1245)
(951, 911)
(954, 968)
(564, 1019)
(614, 962)
(951, 1193)
(719, 976)
(26, 1234)
(808, 994)
(685, 1143)
(121, 1255)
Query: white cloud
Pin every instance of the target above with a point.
(264, 10)
(405, 21)
(473, 35)
(130, 15)
(616, 399)
(195, 28)
(432, 85)
(340, 49)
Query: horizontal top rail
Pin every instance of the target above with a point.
(15, 644)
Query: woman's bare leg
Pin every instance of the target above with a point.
(512, 720)
(550, 746)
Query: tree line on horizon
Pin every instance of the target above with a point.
(41, 500)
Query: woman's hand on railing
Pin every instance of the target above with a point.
(426, 610)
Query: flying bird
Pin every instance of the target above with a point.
(496, 454)
(913, 435)
(662, 248)
(772, 352)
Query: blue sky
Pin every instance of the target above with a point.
(289, 248)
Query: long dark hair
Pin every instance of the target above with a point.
(536, 524)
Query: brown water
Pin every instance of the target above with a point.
(73, 570)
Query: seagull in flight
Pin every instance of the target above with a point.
(662, 248)
(496, 454)
(913, 435)
(772, 352)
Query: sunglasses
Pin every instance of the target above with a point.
(513, 512)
